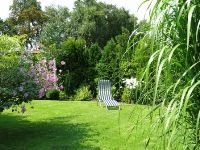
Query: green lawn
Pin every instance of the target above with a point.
(72, 125)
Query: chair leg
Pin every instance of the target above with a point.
(99, 103)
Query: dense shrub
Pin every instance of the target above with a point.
(16, 86)
(83, 94)
(52, 94)
(73, 53)
(94, 54)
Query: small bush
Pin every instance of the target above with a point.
(52, 94)
(83, 94)
(127, 95)
(62, 95)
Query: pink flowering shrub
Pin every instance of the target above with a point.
(16, 86)
(22, 76)
(44, 74)
(26, 80)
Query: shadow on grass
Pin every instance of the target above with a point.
(114, 108)
(17, 133)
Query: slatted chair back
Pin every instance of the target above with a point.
(104, 90)
(105, 94)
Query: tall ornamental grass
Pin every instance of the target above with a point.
(171, 79)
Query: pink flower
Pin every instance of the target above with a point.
(62, 62)
(42, 62)
(52, 78)
(44, 74)
(41, 93)
(61, 87)
(51, 63)
(54, 69)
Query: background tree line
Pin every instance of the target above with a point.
(92, 39)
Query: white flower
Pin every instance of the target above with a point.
(131, 83)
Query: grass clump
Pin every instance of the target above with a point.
(171, 78)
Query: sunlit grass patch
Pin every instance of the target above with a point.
(74, 125)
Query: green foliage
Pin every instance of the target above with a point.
(96, 22)
(135, 54)
(83, 94)
(109, 66)
(141, 56)
(62, 95)
(27, 18)
(55, 29)
(93, 54)
(108, 62)
(73, 53)
(99, 22)
(75, 37)
(15, 84)
(70, 83)
(9, 44)
(7, 27)
(171, 77)
(52, 94)
(3, 26)
(127, 95)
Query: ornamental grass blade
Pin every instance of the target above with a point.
(189, 24)
(197, 128)
(158, 72)
(189, 95)
(197, 32)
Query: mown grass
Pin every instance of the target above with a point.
(74, 125)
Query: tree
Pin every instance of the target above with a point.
(27, 17)
(2, 26)
(8, 27)
(93, 54)
(99, 22)
(55, 30)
